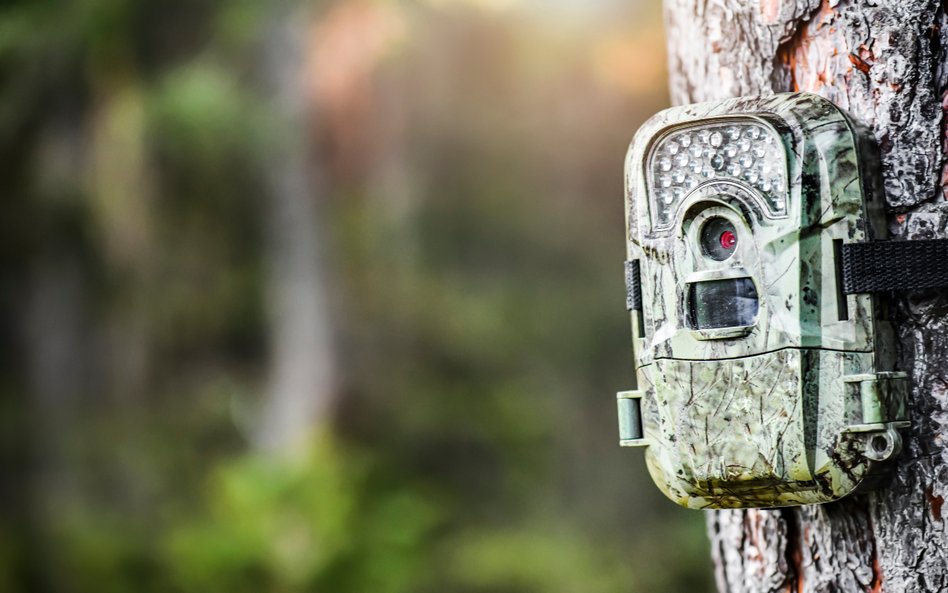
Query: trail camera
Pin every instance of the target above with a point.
(764, 370)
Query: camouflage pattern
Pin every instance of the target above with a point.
(801, 406)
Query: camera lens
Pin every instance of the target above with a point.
(718, 238)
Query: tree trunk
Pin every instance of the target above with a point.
(884, 62)
(301, 382)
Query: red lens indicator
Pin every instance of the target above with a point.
(718, 238)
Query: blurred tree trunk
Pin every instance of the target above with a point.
(301, 384)
(885, 63)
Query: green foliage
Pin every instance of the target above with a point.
(536, 558)
(309, 523)
(306, 524)
(203, 119)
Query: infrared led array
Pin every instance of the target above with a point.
(748, 153)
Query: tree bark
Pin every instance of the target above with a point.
(884, 62)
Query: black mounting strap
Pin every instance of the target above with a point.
(633, 286)
(879, 266)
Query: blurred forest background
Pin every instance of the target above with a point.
(324, 296)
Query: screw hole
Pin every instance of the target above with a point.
(879, 444)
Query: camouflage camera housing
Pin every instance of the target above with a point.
(760, 383)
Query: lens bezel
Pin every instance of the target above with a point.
(710, 238)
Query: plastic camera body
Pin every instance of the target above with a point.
(759, 382)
